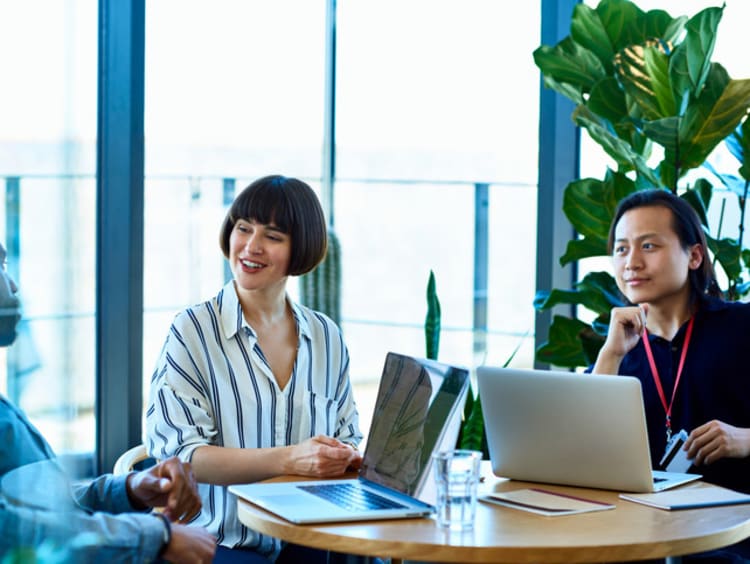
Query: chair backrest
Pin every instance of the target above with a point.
(129, 459)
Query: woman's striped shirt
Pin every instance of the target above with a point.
(213, 386)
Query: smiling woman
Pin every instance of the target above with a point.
(249, 384)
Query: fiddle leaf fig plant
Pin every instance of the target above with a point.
(647, 92)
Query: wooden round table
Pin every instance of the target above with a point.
(629, 532)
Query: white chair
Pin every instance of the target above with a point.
(128, 459)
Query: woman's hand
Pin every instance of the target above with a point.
(626, 325)
(716, 439)
(321, 457)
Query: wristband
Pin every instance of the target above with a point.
(167, 535)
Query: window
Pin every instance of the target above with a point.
(48, 193)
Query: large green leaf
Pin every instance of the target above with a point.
(564, 345)
(727, 253)
(657, 67)
(571, 92)
(642, 71)
(708, 120)
(587, 247)
(591, 342)
(665, 132)
(587, 29)
(690, 64)
(713, 117)
(620, 18)
(590, 298)
(621, 151)
(739, 145)
(743, 138)
(589, 203)
(570, 63)
(597, 292)
(605, 285)
(699, 197)
(585, 206)
(608, 101)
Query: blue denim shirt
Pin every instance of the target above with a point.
(97, 524)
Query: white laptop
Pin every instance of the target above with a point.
(569, 428)
(417, 411)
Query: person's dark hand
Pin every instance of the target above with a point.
(190, 544)
(169, 484)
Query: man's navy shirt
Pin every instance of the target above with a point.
(715, 383)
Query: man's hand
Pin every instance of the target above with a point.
(714, 440)
(626, 325)
(171, 485)
(190, 544)
(322, 457)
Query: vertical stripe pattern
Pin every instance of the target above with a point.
(212, 386)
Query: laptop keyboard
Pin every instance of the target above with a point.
(351, 497)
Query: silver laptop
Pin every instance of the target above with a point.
(417, 411)
(569, 428)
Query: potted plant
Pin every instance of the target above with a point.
(647, 92)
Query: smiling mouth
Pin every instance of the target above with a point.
(251, 264)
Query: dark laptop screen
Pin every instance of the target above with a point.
(416, 401)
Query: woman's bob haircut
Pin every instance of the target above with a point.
(686, 224)
(292, 206)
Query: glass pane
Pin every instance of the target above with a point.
(433, 97)
(438, 90)
(235, 89)
(233, 93)
(48, 191)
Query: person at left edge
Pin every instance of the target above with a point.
(104, 520)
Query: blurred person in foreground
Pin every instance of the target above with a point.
(107, 519)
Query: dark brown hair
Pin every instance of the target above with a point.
(292, 206)
(686, 224)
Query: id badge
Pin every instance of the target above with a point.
(675, 459)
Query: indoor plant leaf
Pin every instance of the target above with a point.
(699, 197)
(568, 62)
(690, 63)
(621, 151)
(713, 118)
(727, 253)
(620, 19)
(587, 29)
(739, 145)
(643, 72)
(432, 320)
(586, 247)
(589, 203)
(564, 346)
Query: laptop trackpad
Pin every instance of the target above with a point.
(282, 500)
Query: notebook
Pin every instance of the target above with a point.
(417, 412)
(569, 428)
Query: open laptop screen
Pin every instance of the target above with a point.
(416, 400)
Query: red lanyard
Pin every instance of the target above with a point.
(657, 380)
